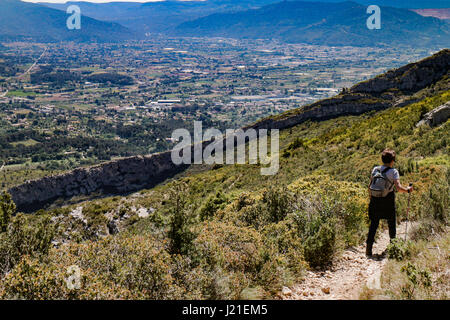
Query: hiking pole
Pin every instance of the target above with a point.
(407, 212)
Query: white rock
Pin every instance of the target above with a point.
(142, 213)
(286, 291)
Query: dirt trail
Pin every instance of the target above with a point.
(34, 64)
(348, 276)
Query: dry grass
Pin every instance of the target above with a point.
(428, 278)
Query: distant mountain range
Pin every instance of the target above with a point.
(165, 15)
(158, 16)
(341, 23)
(23, 20)
(438, 13)
(409, 4)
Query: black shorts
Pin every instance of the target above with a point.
(382, 208)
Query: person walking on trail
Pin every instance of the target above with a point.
(382, 196)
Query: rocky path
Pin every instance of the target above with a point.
(348, 276)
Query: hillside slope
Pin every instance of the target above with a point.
(158, 16)
(396, 87)
(341, 23)
(23, 20)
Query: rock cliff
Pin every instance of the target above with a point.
(115, 177)
(393, 88)
(410, 78)
(342, 105)
(436, 116)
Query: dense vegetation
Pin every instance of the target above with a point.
(114, 78)
(55, 143)
(226, 232)
(8, 64)
(58, 77)
(46, 74)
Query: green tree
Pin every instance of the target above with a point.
(212, 205)
(180, 233)
(7, 209)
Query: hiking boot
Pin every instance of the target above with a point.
(369, 249)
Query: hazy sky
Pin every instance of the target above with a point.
(98, 1)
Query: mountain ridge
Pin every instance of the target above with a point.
(324, 23)
(157, 17)
(392, 88)
(23, 20)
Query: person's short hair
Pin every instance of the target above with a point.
(388, 155)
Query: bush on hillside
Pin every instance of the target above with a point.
(7, 210)
(317, 219)
(111, 268)
(25, 237)
(182, 216)
(272, 207)
(212, 205)
(398, 249)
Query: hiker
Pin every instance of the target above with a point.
(382, 196)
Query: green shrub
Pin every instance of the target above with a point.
(151, 275)
(320, 247)
(254, 215)
(212, 204)
(398, 249)
(278, 202)
(25, 237)
(111, 268)
(244, 200)
(31, 281)
(274, 206)
(7, 210)
(240, 259)
(354, 220)
(297, 143)
(416, 278)
(180, 232)
(317, 221)
(229, 247)
(439, 196)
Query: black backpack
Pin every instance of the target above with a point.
(380, 186)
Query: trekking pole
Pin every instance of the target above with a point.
(407, 213)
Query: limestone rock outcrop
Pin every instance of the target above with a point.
(436, 116)
(347, 104)
(114, 177)
(409, 78)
